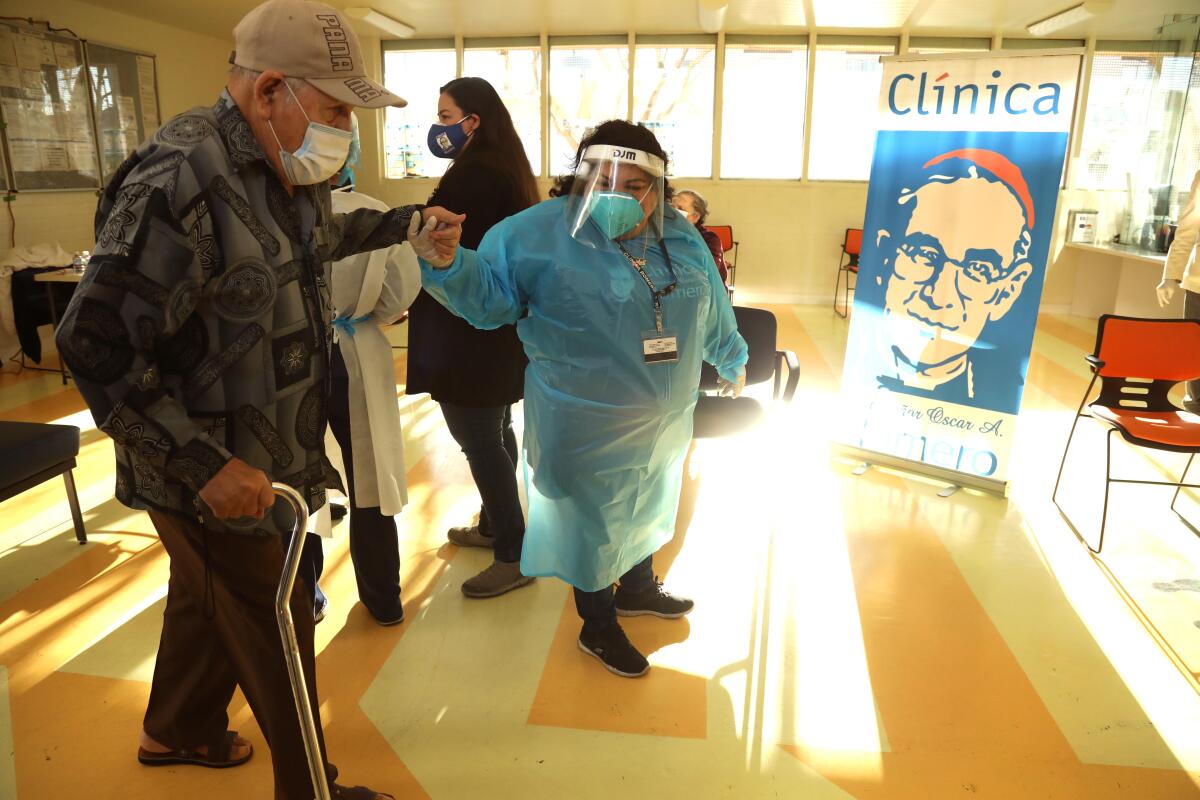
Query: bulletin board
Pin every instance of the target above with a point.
(125, 99)
(49, 135)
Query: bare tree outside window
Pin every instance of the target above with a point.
(673, 90)
(516, 75)
(588, 85)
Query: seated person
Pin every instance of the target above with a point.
(695, 208)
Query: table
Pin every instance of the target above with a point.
(64, 275)
(1119, 279)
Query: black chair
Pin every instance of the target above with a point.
(32, 453)
(723, 416)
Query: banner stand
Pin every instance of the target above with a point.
(960, 218)
(922, 469)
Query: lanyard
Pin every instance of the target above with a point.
(639, 264)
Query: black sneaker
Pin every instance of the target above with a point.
(615, 651)
(337, 512)
(655, 601)
(389, 621)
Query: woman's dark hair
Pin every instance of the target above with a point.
(495, 141)
(698, 203)
(618, 133)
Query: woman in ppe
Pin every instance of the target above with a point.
(616, 305)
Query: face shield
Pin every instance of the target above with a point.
(617, 195)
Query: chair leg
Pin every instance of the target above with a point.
(1182, 480)
(1063, 463)
(837, 287)
(73, 499)
(1107, 484)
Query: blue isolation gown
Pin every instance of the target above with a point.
(605, 433)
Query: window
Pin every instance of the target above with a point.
(1132, 119)
(845, 102)
(516, 74)
(588, 85)
(932, 45)
(1187, 155)
(752, 104)
(415, 75)
(673, 88)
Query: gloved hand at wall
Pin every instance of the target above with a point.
(1166, 292)
(731, 388)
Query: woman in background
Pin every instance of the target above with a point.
(695, 208)
(477, 375)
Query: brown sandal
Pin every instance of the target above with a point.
(217, 757)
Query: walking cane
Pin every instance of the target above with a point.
(291, 648)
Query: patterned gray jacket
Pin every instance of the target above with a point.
(201, 329)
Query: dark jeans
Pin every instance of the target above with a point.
(1191, 310)
(374, 543)
(597, 608)
(487, 439)
(312, 564)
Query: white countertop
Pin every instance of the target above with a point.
(1131, 252)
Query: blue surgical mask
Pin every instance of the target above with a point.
(616, 213)
(447, 141)
(321, 154)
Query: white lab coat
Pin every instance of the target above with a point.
(1181, 265)
(380, 285)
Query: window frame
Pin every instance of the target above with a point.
(811, 40)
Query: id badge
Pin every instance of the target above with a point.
(660, 348)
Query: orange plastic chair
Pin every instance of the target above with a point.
(847, 263)
(1137, 362)
(725, 234)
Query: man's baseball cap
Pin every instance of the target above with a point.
(314, 42)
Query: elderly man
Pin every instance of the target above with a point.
(958, 260)
(200, 340)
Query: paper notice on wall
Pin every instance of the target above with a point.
(66, 56)
(147, 94)
(128, 115)
(80, 129)
(38, 124)
(8, 51)
(83, 157)
(14, 118)
(61, 122)
(31, 79)
(10, 76)
(25, 156)
(116, 142)
(29, 52)
(55, 157)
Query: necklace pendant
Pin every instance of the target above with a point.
(641, 262)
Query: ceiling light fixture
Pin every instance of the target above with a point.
(1068, 17)
(381, 22)
(711, 14)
